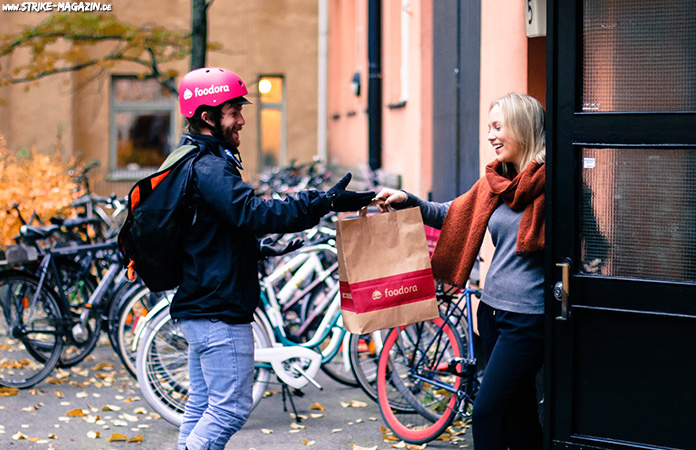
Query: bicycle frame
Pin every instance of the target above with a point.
(467, 364)
(96, 298)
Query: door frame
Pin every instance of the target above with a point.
(568, 129)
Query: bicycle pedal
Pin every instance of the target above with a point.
(462, 367)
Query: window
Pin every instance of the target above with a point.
(142, 126)
(271, 121)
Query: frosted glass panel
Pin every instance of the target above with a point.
(638, 213)
(639, 55)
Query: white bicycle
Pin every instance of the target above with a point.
(161, 362)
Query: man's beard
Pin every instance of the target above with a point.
(227, 136)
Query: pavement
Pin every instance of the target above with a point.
(97, 405)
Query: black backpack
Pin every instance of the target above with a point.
(160, 213)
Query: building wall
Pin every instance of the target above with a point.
(406, 128)
(259, 37)
(407, 141)
(347, 109)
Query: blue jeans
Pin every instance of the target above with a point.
(221, 371)
(505, 411)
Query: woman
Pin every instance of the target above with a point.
(509, 201)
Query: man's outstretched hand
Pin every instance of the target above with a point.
(343, 200)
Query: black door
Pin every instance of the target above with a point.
(621, 135)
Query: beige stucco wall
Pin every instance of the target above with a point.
(259, 37)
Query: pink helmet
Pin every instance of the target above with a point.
(209, 86)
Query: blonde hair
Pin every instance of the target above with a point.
(523, 119)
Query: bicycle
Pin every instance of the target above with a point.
(162, 363)
(161, 349)
(54, 318)
(432, 367)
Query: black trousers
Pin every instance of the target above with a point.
(505, 411)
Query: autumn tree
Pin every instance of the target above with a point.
(32, 183)
(150, 46)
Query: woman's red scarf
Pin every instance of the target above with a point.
(467, 218)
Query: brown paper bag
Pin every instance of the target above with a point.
(384, 271)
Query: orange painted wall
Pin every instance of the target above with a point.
(407, 130)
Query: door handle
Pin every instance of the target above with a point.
(561, 290)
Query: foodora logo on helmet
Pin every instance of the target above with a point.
(211, 90)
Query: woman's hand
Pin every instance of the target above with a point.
(388, 197)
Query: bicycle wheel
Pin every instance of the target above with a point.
(338, 367)
(363, 353)
(134, 307)
(29, 324)
(78, 286)
(419, 360)
(162, 367)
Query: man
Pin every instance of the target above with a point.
(220, 289)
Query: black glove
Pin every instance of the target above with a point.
(270, 247)
(342, 200)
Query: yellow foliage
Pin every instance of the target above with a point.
(37, 182)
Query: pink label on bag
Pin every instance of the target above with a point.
(381, 293)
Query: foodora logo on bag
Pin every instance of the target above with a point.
(376, 295)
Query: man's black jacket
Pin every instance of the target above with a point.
(221, 251)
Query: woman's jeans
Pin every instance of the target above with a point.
(505, 411)
(221, 372)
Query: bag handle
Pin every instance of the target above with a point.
(363, 211)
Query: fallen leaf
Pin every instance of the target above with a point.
(130, 417)
(82, 395)
(8, 391)
(137, 439)
(317, 415)
(52, 436)
(336, 430)
(34, 391)
(120, 423)
(17, 436)
(111, 408)
(308, 443)
(93, 434)
(140, 410)
(357, 447)
(59, 394)
(297, 426)
(266, 431)
(317, 407)
(117, 437)
(30, 408)
(102, 366)
(79, 371)
(75, 413)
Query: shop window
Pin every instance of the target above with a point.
(142, 126)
